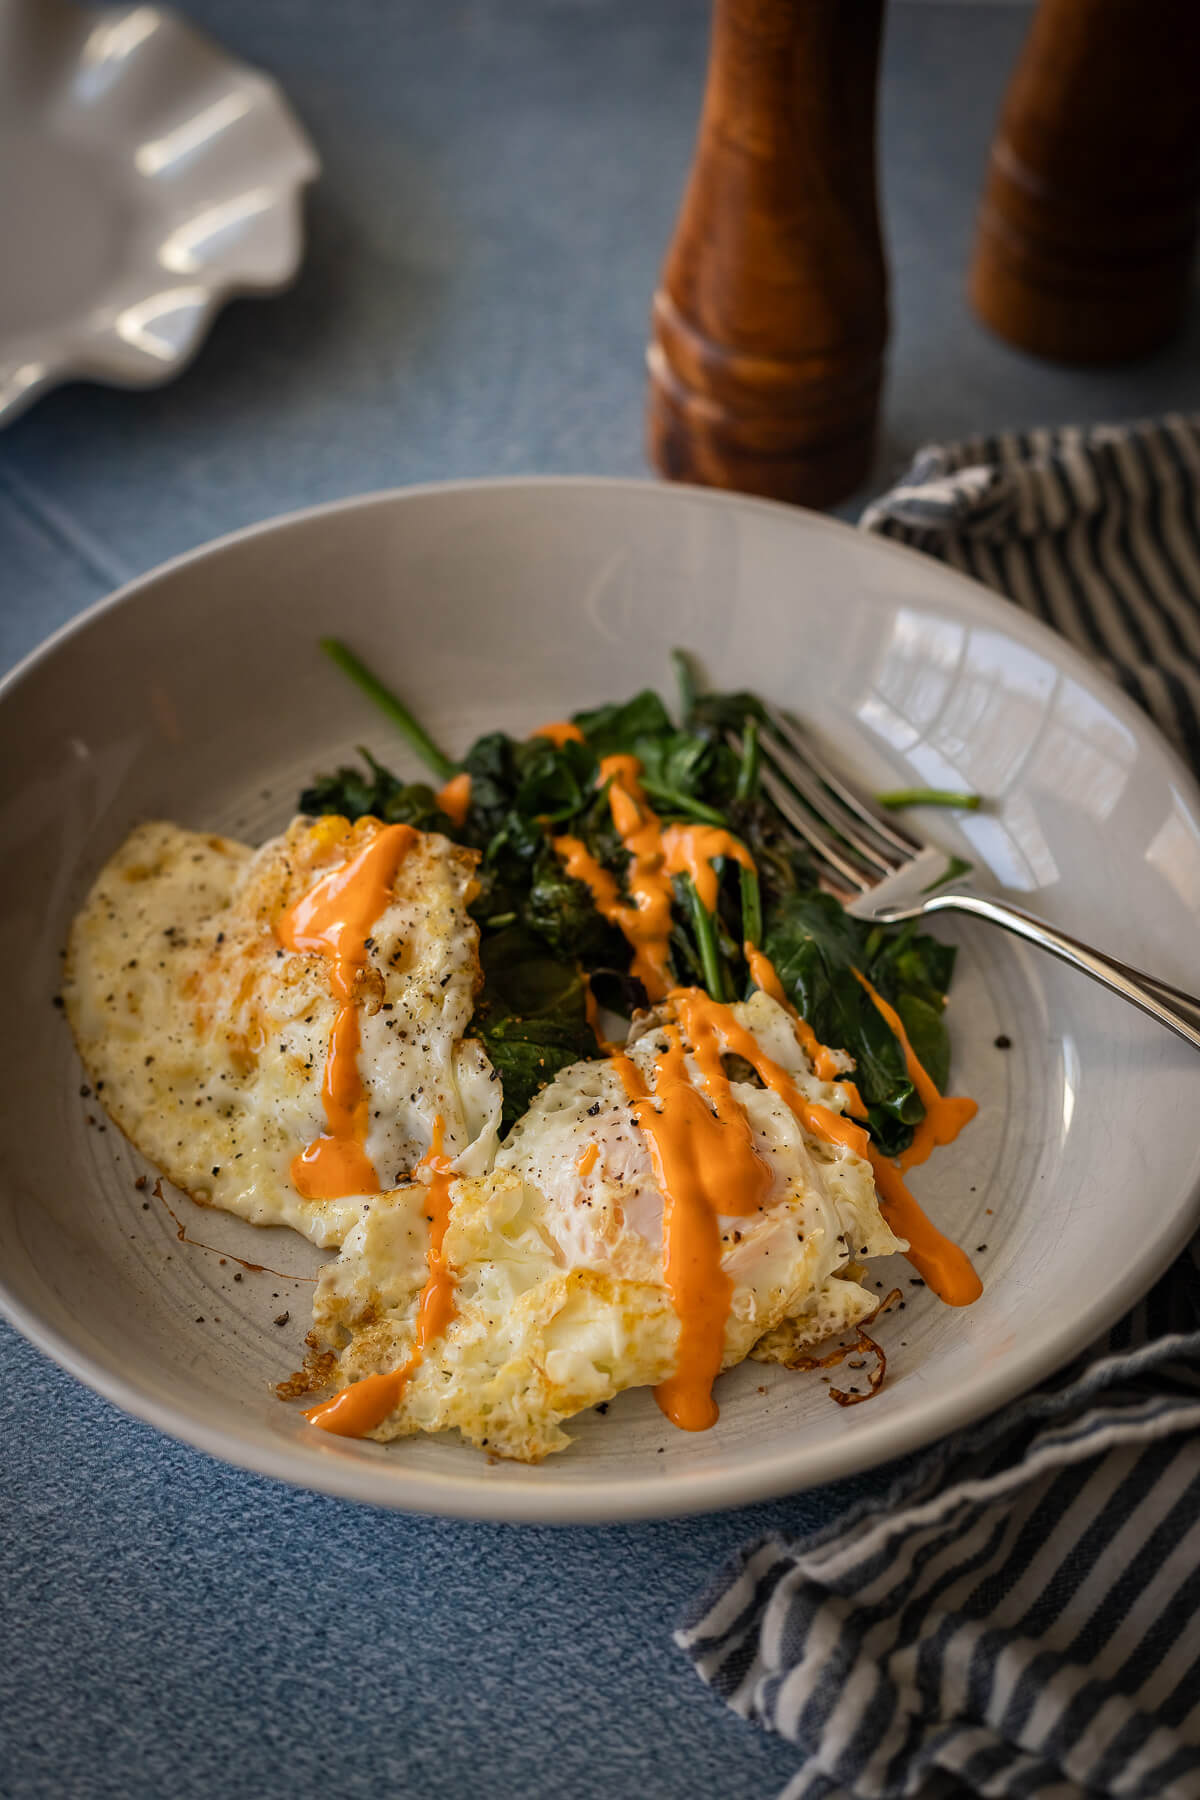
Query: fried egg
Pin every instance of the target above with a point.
(208, 1037)
(558, 1255)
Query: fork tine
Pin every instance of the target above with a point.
(821, 841)
(892, 835)
(879, 859)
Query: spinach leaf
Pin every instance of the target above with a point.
(815, 947)
(718, 713)
(489, 763)
(554, 781)
(352, 794)
(614, 730)
(928, 1036)
(531, 1016)
(562, 913)
(907, 961)
(693, 775)
(539, 927)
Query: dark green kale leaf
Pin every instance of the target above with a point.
(531, 1016)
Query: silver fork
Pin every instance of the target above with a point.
(883, 874)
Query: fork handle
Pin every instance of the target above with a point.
(1169, 1005)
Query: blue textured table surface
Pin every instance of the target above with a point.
(500, 183)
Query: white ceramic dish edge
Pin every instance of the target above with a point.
(617, 1500)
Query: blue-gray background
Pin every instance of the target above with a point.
(500, 179)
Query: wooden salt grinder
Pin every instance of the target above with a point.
(1088, 224)
(769, 326)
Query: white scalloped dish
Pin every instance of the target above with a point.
(145, 178)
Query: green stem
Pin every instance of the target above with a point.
(747, 781)
(957, 865)
(752, 920)
(706, 940)
(393, 708)
(929, 797)
(683, 803)
(687, 683)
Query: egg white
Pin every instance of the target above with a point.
(207, 1040)
(560, 1297)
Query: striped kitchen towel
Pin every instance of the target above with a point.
(1017, 1612)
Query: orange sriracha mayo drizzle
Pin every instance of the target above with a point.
(367, 1403)
(647, 923)
(693, 850)
(936, 1258)
(560, 732)
(706, 1165)
(945, 1116)
(587, 1160)
(698, 1012)
(764, 976)
(655, 857)
(455, 797)
(334, 920)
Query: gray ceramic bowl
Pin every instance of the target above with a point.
(199, 694)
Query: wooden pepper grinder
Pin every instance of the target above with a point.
(769, 325)
(1088, 224)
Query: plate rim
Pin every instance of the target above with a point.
(620, 1499)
